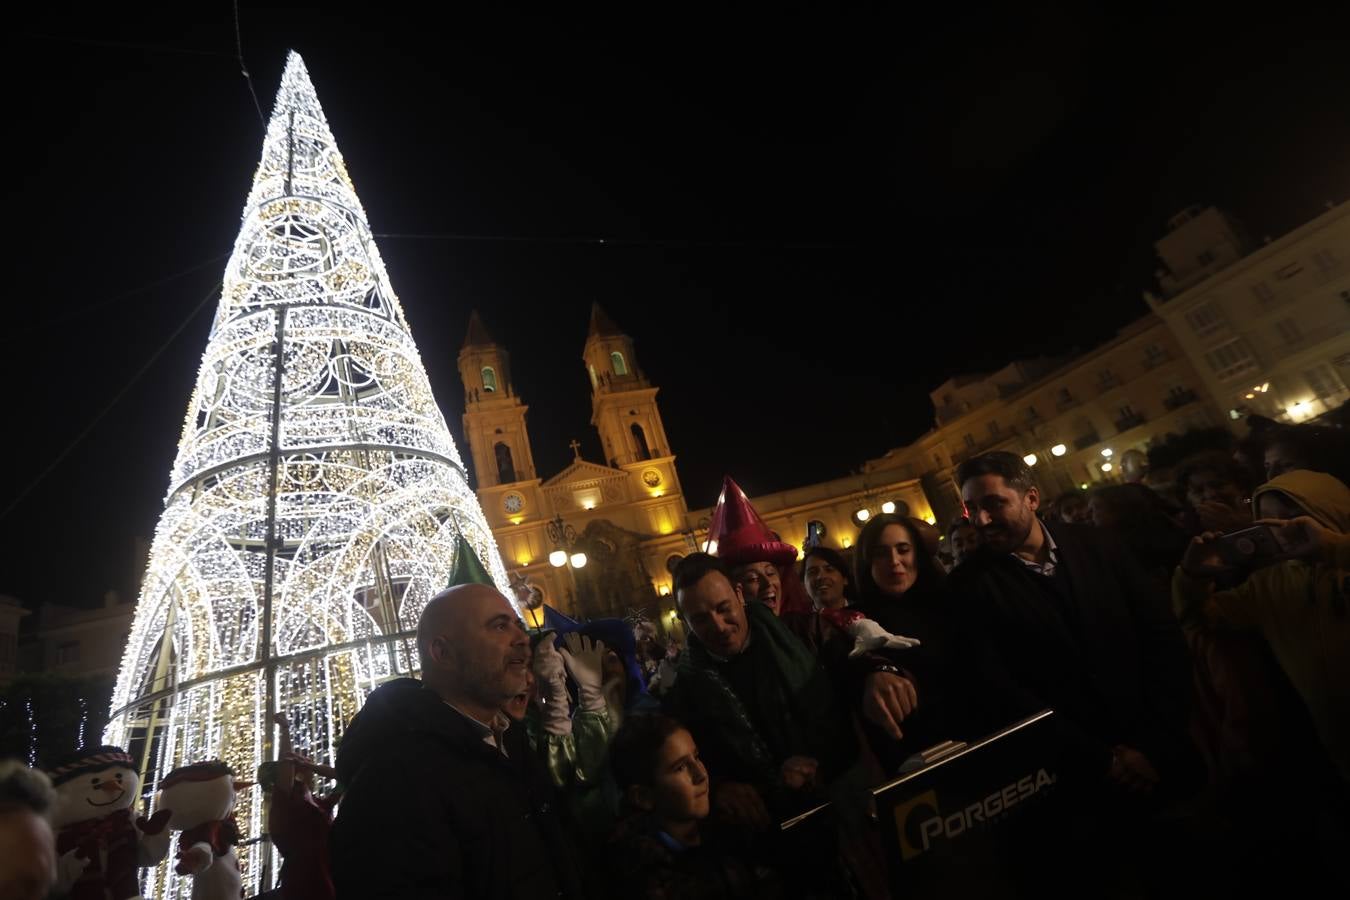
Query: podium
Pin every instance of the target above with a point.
(973, 817)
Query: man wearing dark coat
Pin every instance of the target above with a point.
(1060, 616)
(437, 803)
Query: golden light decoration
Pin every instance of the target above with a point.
(315, 502)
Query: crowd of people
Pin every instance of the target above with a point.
(1187, 627)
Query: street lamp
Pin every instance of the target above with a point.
(1058, 450)
(566, 554)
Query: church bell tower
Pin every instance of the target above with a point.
(624, 410)
(494, 428)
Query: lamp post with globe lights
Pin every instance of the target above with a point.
(566, 555)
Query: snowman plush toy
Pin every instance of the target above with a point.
(99, 841)
(200, 801)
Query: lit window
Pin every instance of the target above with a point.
(617, 363)
(489, 379)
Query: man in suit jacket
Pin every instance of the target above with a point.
(1060, 616)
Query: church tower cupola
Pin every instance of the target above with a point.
(494, 416)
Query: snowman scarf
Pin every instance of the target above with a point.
(220, 835)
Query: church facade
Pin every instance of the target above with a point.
(627, 514)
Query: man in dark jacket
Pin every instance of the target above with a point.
(759, 704)
(434, 805)
(1060, 616)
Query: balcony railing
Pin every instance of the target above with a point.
(1178, 399)
(1131, 421)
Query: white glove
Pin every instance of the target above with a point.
(550, 674)
(585, 661)
(69, 868)
(664, 678)
(548, 664)
(868, 635)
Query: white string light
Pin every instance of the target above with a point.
(370, 492)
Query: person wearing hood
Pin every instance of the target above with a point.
(1297, 604)
(437, 804)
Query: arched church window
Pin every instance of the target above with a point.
(640, 441)
(617, 363)
(489, 379)
(506, 469)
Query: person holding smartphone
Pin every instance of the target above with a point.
(1296, 598)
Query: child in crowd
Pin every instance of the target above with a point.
(661, 849)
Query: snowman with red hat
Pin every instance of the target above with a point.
(99, 840)
(200, 801)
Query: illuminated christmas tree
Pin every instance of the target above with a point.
(317, 500)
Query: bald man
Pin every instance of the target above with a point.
(27, 846)
(434, 806)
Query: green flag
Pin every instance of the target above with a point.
(468, 569)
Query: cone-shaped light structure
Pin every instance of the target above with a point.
(317, 501)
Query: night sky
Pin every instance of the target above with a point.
(810, 220)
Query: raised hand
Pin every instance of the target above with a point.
(1202, 559)
(548, 663)
(584, 658)
(1301, 538)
